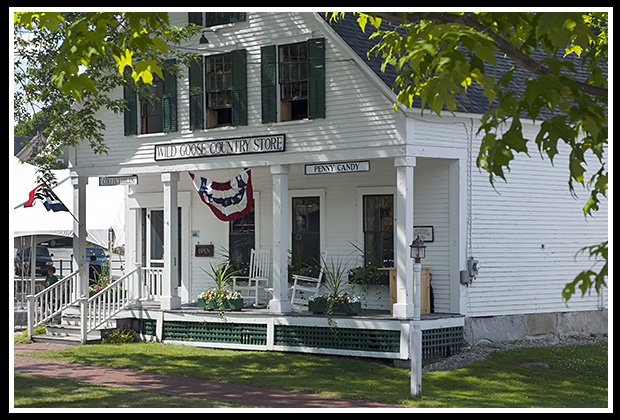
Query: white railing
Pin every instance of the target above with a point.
(102, 306)
(152, 283)
(52, 300)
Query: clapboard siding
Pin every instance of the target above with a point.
(358, 116)
(526, 233)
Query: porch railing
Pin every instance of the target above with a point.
(102, 306)
(152, 282)
(52, 300)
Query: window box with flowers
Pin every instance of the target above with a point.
(338, 300)
(220, 297)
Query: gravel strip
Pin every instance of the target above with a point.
(481, 351)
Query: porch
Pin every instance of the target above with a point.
(371, 333)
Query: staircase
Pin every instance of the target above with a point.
(68, 331)
(61, 300)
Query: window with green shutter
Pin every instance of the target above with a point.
(218, 95)
(293, 81)
(156, 105)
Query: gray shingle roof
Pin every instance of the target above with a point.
(475, 102)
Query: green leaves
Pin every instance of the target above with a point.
(89, 37)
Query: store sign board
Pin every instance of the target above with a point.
(337, 168)
(220, 147)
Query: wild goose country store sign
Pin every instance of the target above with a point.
(220, 147)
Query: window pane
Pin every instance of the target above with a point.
(306, 230)
(379, 230)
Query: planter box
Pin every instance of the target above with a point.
(227, 305)
(340, 308)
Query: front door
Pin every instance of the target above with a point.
(153, 239)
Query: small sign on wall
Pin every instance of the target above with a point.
(426, 233)
(204, 251)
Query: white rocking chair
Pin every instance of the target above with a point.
(257, 278)
(304, 288)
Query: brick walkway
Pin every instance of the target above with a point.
(179, 386)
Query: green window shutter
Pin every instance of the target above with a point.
(169, 99)
(196, 95)
(131, 112)
(195, 17)
(269, 92)
(237, 17)
(239, 87)
(316, 78)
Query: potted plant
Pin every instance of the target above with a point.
(337, 300)
(220, 297)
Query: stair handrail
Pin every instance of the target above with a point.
(105, 304)
(52, 300)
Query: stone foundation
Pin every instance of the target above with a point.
(506, 328)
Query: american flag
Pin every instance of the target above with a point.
(50, 200)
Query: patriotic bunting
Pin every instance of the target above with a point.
(229, 200)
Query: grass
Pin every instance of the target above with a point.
(577, 376)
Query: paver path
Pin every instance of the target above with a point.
(180, 386)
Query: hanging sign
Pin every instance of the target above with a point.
(221, 147)
(337, 168)
(229, 200)
(106, 181)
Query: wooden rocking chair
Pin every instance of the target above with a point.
(258, 276)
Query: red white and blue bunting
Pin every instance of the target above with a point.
(229, 200)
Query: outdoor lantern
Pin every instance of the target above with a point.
(418, 249)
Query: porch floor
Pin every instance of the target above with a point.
(192, 308)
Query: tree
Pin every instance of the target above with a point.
(66, 65)
(563, 56)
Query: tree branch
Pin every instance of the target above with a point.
(502, 44)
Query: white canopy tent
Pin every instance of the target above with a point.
(105, 209)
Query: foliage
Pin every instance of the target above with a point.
(120, 336)
(559, 78)
(67, 64)
(222, 277)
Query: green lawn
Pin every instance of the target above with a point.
(577, 376)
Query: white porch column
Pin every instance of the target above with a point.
(403, 308)
(79, 232)
(280, 302)
(170, 288)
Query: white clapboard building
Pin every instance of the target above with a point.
(335, 171)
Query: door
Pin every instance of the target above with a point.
(153, 240)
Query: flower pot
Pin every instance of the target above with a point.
(321, 307)
(224, 304)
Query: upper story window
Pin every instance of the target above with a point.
(215, 18)
(154, 110)
(218, 74)
(218, 90)
(293, 81)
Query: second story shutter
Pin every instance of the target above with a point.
(169, 99)
(269, 94)
(196, 95)
(238, 59)
(316, 78)
(130, 116)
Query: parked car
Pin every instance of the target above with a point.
(43, 260)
